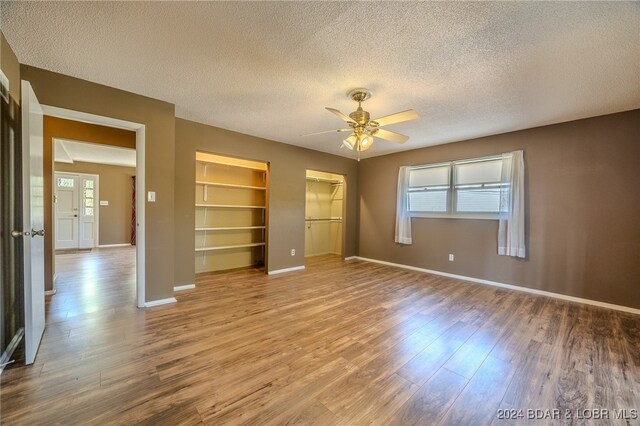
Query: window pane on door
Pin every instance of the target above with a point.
(88, 211)
(88, 184)
(65, 182)
(88, 202)
(88, 193)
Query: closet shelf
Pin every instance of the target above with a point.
(332, 181)
(242, 166)
(229, 228)
(229, 206)
(230, 185)
(229, 247)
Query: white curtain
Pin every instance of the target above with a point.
(403, 219)
(511, 230)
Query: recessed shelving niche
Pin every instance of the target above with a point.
(231, 213)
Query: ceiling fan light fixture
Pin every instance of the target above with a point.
(365, 130)
(364, 142)
(350, 142)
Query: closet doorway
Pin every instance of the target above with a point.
(324, 213)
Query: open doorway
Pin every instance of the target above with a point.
(92, 232)
(324, 213)
(104, 159)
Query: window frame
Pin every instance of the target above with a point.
(452, 212)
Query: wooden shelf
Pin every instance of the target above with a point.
(242, 166)
(230, 247)
(227, 206)
(230, 185)
(229, 228)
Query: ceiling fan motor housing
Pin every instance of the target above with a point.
(360, 116)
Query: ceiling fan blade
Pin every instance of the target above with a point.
(329, 131)
(398, 117)
(391, 136)
(341, 115)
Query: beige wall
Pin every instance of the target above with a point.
(158, 117)
(583, 211)
(288, 165)
(116, 188)
(54, 127)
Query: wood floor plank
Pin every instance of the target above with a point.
(479, 401)
(346, 343)
(431, 402)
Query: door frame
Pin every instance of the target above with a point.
(139, 129)
(96, 216)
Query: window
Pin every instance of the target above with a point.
(65, 182)
(429, 189)
(462, 189)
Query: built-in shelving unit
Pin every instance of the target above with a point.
(231, 213)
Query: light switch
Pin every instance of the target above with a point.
(151, 196)
(104, 203)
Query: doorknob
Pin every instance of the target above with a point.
(35, 233)
(16, 234)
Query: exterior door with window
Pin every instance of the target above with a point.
(66, 211)
(75, 210)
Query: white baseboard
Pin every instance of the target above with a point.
(114, 245)
(184, 287)
(281, 271)
(353, 258)
(160, 302)
(508, 286)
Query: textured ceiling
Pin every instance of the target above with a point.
(269, 68)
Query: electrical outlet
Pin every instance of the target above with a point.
(451, 257)
(293, 252)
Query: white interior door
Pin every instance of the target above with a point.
(66, 211)
(33, 221)
(88, 200)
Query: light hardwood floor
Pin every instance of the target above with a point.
(339, 343)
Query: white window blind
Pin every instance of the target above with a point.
(477, 186)
(429, 189)
(467, 188)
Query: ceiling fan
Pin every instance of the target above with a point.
(363, 129)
